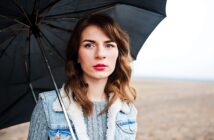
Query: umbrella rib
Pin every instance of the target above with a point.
(12, 28)
(94, 10)
(27, 66)
(27, 57)
(102, 8)
(7, 46)
(49, 42)
(57, 27)
(62, 18)
(23, 11)
(49, 6)
(15, 20)
(13, 33)
(36, 9)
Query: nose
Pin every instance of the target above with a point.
(100, 52)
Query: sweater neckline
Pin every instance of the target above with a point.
(99, 102)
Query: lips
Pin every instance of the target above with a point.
(99, 67)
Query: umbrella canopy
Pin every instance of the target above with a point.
(34, 34)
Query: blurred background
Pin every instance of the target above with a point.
(182, 45)
(173, 76)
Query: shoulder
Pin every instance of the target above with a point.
(51, 96)
(51, 102)
(46, 99)
(48, 95)
(54, 115)
(128, 112)
(128, 108)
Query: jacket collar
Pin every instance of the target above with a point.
(75, 113)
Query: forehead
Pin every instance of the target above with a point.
(94, 32)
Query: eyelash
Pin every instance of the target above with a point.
(110, 46)
(89, 45)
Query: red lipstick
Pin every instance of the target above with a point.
(99, 67)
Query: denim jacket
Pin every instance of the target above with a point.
(121, 118)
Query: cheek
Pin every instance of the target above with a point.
(83, 61)
(83, 57)
(114, 57)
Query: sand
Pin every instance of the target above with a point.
(167, 110)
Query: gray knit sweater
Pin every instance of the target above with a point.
(96, 124)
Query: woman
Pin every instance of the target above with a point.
(97, 95)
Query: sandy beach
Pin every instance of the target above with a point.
(167, 110)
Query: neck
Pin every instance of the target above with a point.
(96, 89)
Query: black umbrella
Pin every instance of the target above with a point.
(34, 34)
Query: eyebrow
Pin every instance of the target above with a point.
(87, 40)
(92, 41)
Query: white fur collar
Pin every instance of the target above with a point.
(75, 113)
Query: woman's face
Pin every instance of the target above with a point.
(97, 54)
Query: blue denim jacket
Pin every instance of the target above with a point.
(121, 120)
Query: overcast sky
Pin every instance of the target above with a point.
(182, 46)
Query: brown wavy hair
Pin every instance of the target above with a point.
(118, 82)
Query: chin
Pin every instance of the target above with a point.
(101, 77)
